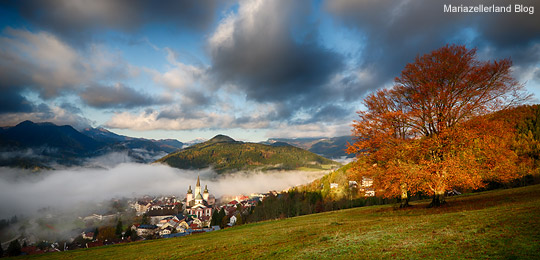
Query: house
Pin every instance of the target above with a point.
(142, 207)
(166, 231)
(334, 185)
(232, 203)
(182, 226)
(147, 230)
(88, 234)
(154, 220)
(99, 217)
(367, 182)
(366, 186)
(232, 221)
(196, 224)
(229, 210)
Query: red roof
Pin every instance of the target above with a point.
(32, 250)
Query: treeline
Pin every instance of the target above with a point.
(297, 203)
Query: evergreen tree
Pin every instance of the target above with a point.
(128, 232)
(96, 233)
(119, 228)
(224, 221)
(1, 250)
(239, 220)
(14, 248)
(219, 219)
(215, 218)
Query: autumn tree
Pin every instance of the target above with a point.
(416, 133)
(106, 234)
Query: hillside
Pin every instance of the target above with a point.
(501, 224)
(331, 148)
(224, 154)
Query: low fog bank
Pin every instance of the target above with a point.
(344, 159)
(23, 192)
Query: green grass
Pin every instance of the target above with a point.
(502, 224)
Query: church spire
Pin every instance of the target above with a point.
(198, 182)
(205, 188)
(189, 190)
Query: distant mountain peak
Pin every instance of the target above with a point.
(221, 139)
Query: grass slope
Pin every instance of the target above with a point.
(224, 154)
(502, 224)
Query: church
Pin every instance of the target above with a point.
(198, 204)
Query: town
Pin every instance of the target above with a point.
(166, 216)
(129, 220)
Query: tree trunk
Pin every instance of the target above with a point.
(438, 199)
(404, 196)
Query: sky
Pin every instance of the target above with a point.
(253, 69)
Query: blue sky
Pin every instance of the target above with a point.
(250, 69)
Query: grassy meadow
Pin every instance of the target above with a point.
(500, 224)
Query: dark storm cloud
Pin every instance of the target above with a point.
(74, 19)
(269, 51)
(397, 31)
(117, 96)
(11, 101)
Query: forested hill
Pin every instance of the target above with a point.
(224, 154)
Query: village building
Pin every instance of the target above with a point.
(197, 204)
(146, 230)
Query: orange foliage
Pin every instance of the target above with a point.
(426, 133)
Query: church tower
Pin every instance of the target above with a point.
(189, 195)
(198, 187)
(205, 194)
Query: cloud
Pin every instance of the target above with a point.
(171, 120)
(24, 193)
(395, 32)
(77, 20)
(269, 50)
(117, 96)
(179, 76)
(12, 101)
(181, 119)
(40, 62)
(285, 130)
(45, 113)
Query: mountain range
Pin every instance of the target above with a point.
(332, 148)
(44, 145)
(47, 146)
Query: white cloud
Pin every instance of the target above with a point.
(285, 130)
(145, 121)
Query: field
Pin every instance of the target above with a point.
(501, 224)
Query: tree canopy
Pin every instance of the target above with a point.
(429, 132)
